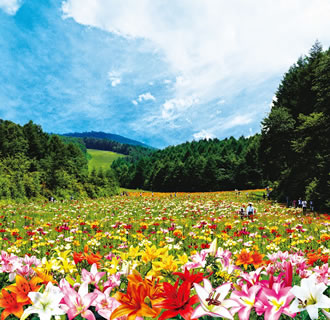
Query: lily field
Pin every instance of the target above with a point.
(164, 256)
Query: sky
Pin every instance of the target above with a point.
(158, 71)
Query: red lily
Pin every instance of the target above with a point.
(190, 277)
(177, 301)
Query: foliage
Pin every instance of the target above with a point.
(206, 165)
(34, 164)
(295, 140)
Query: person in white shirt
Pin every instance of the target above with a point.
(304, 205)
(249, 210)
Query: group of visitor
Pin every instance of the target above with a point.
(303, 204)
(249, 212)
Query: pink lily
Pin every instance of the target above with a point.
(213, 302)
(251, 278)
(274, 302)
(92, 277)
(323, 274)
(198, 261)
(104, 304)
(113, 281)
(246, 299)
(76, 303)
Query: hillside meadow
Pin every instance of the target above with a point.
(164, 255)
(101, 159)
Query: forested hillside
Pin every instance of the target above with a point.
(205, 165)
(295, 140)
(34, 164)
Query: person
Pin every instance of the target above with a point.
(299, 203)
(304, 206)
(311, 205)
(250, 210)
(242, 212)
(294, 203)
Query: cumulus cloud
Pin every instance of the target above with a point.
(203, 134)
(173, 108)
(10, 6)
(146, 96)
(114, 78)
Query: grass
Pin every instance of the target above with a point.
(101, 159)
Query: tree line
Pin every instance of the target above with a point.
(205, 165)
(35, 164)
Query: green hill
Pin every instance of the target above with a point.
(101, 159)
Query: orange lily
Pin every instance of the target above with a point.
(9, 302)
(44, 276)
(94, 258)
(137, 302)
(154, 289)
(257, 259)
(22, 287)
(245, 258)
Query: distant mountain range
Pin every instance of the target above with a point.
(108, 136)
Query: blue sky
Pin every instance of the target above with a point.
(161, 72)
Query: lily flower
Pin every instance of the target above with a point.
(190, 277)
(134, 303)
(177, 301)
(246, 299)
(104, 304)
(273, 302)
(8, 301)
(92, 277)
(310, 297)
(45, 304)
(213, 302)
(77, 302)
(22, 287)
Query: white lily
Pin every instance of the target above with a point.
(45, 304)
(213, 302)
(310, 297)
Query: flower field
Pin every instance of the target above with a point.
(163, 256)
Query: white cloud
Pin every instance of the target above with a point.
(146, 96)
(135, 102)
(237, 120)
(173, 108)
(114, 78)
(10, 6)
(213, 49)
(203, 134)
(214, 45)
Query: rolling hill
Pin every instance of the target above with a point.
(101, 159)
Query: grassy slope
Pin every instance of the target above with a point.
(101, 159)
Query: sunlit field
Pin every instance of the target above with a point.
(159, 255)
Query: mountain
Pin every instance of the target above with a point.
(108, 136)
